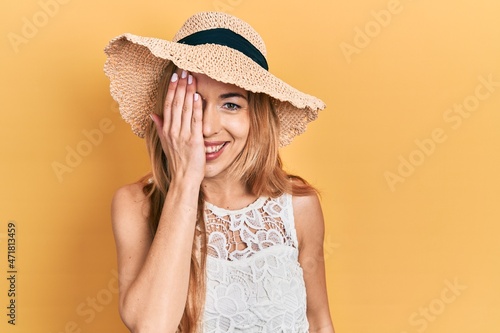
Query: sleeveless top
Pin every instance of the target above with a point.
(254, 280)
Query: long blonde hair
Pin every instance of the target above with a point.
(258, 166)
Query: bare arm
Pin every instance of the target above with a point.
(154, 272)
(310, 231)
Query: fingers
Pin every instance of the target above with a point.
(177, 103)
(197, 119)
(187, 110)
(167, 106)
(180, 130)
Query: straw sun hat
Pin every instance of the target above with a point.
(216, 44)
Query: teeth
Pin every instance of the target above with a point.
(213, 149)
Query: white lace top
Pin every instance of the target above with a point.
(254, 281)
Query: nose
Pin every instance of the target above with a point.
(211, 120)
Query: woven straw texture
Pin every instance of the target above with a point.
(134, 65)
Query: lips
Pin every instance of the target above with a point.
(214, 149)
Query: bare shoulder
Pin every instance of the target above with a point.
(129, 196)
(130, 193)
(129, 207)
(309, 221)
(305, 204)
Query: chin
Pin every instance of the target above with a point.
(211, 172)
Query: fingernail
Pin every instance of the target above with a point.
(190, 79)
(174, 77)
(184, 74)
(196, 96)
(151, 116)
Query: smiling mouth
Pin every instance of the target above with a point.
(214, 149)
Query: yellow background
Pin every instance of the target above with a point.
(409, 248)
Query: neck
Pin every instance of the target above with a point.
(227, 194)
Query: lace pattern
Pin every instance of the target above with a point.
(254, 280)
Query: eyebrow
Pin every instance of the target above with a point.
(232, 94)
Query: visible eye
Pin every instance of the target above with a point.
(231, 106)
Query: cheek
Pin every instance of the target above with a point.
(240, 127)
(245, 130)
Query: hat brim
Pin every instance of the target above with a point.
(134, 65)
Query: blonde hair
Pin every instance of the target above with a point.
(258, 167)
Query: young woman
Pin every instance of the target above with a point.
(218, 238)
